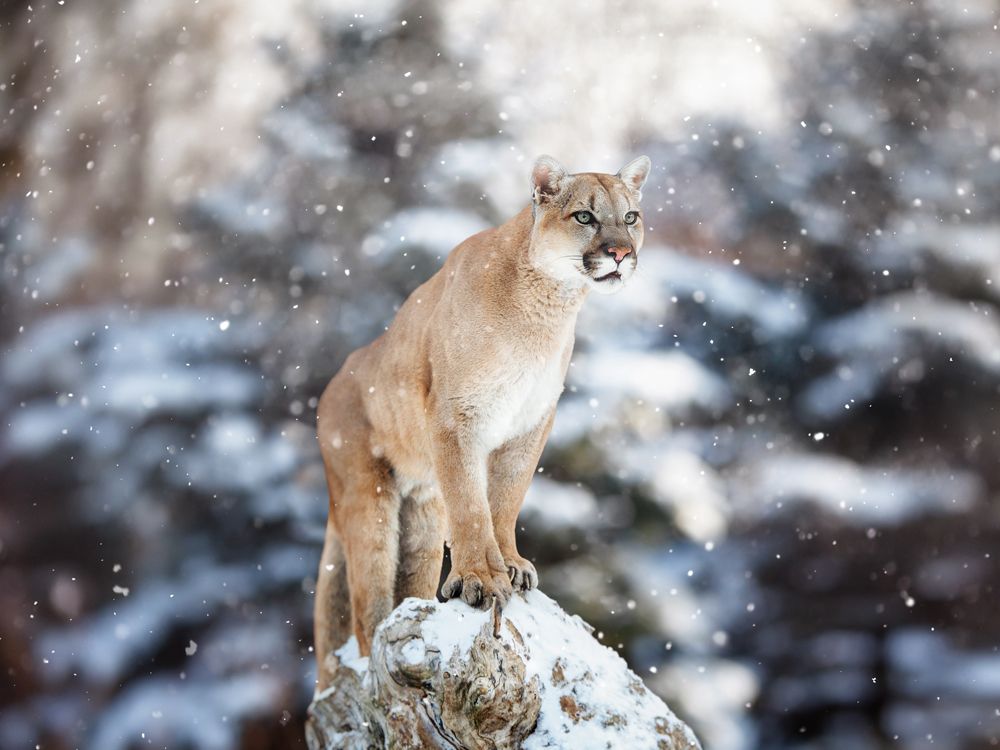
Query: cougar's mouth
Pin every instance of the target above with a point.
(613, 276)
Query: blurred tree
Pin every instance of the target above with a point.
(305, 243)
(876, 211)
(173, 575)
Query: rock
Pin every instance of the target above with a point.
(447, 676)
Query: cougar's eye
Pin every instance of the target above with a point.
(631, 217)
(584, 217)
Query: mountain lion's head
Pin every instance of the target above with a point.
(588, 226)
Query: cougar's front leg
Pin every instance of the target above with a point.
(478, 573)
(511, 467)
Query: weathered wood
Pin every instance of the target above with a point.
(445, 676)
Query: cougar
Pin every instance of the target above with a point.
(430, 435)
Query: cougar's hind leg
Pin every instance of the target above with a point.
(421, 553)
(368, 517)
(332, 621)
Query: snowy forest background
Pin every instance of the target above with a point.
(773, 484)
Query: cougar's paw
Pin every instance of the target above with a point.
(477, 589)
(523, 576)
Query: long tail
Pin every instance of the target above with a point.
(332, 621)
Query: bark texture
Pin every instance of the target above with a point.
(448, 676)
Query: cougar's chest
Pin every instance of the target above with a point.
(518, 396)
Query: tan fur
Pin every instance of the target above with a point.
(433, 431)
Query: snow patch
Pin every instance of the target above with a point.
(860, 494)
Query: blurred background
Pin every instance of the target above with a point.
(773, 483)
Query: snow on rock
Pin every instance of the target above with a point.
(445, 675)
(717, 696)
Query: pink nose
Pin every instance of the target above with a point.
(619, 252)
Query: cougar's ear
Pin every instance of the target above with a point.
(634, 173)
(548, 179)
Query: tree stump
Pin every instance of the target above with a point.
(448, 676)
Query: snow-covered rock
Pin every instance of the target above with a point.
(446, 675)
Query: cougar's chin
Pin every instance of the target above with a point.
(608, 283)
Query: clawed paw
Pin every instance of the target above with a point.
(477, 589)
(523, 576)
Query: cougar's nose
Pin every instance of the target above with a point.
(619, 252)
